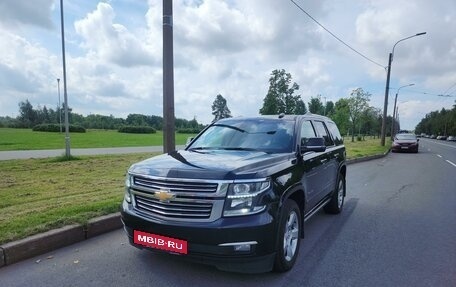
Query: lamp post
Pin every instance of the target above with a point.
(385, 106)
(394, 110)
(59, 106)
(65, 97)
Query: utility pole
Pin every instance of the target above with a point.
(169, 144)
(67, 128)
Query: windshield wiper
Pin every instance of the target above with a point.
(231, 127)
(239, 148)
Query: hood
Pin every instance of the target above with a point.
(216, 164)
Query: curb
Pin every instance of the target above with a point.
(34, 245)
(367, 158)
(16, 251)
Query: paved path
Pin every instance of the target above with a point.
(24, 154)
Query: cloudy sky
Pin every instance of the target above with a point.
(114, 54)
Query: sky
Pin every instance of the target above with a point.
(228, 47)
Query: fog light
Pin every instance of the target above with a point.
(241, 246)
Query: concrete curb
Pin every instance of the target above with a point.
(16, 251)
(367, 158)
(45, 242)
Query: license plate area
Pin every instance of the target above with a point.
(160, 242)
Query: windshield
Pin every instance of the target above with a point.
(405, 137)
(268, 135)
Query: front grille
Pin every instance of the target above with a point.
(178, 200)
(176, 186)
(174, 209)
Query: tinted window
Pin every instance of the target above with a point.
(321, 130)
(335, 133)
(263, 135)
(307, 130)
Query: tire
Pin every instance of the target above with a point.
(289, 237)
(336, 204)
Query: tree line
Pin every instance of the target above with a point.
(30, 117)
(353, 114)
(439, 123)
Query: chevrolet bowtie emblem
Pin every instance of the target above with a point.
(164, 195)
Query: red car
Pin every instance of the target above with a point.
(405, 142)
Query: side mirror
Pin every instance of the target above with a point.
(313, 144)
(417, 140)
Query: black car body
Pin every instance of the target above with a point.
(238, 195)
(405, 143)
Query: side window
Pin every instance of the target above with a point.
(321, 130)
(335, 133)
(307, 130)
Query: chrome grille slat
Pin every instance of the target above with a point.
(192, 200)
(175, 186)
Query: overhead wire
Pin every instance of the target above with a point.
(336, 37)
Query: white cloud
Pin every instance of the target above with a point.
(33, 13)
(114, 52)
(110, 41)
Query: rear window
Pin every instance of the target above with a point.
(338, 139)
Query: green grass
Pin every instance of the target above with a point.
(41, 194)
(26, 139)
(364, 148)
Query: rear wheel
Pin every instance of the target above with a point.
(289, 237)
(336, 204)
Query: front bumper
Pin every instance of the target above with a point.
(214, 242)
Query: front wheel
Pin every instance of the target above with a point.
(336, 203)
(289, 237)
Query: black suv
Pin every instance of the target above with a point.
(237, 197)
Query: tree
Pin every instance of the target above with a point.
(220, 109)
(27, 115)
(329, 109)
(341, 116)
(357, 104)
(316, 106)
(300, 107)
(280, 97)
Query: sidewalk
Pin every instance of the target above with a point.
(25, 154)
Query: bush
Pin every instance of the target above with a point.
(56, 128)
(188, 131)
(137, 130)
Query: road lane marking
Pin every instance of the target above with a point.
(439, 155)
(453, 164)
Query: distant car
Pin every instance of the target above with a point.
(451, 138)
(433, 137)
(405, 142)
(442, 138)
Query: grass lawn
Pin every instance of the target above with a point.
(26, 139)
(42, 194)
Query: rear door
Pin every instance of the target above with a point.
(312, 168)
(328, 160)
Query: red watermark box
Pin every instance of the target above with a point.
(160, 242)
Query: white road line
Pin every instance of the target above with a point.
(453, 164)
(439, 155)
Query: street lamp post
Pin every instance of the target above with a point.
(394, 110)
(59, 107)
(385, 106)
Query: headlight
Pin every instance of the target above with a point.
(128, 180)
(243, 198)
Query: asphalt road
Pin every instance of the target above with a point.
(398, 228)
